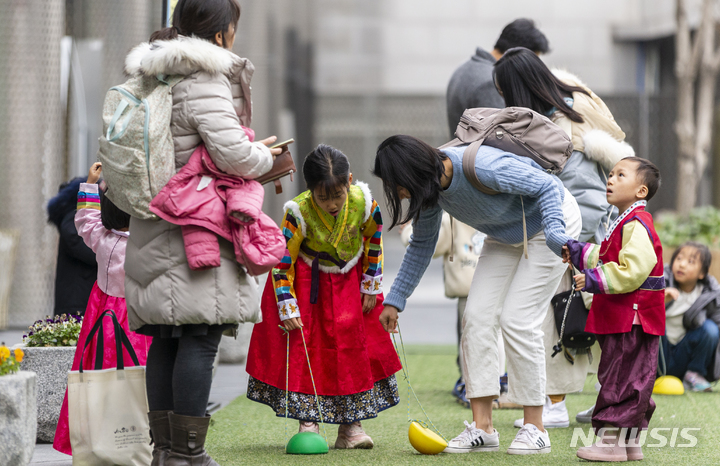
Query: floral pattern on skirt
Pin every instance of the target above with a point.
(343, 409)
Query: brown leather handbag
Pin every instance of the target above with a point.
(283, 165)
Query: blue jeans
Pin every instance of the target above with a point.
(694, 352)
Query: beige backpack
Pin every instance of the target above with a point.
(136, 147)
(517, 130)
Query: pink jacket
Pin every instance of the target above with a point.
(208, 202)
(108, 245)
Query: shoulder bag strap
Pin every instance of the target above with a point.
(468, 164)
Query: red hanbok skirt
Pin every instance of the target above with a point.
(97, 304)
(350, 352)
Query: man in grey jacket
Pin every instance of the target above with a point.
(472, 86)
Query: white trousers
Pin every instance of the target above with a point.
(512, 294)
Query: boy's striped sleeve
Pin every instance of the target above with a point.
(373, 259)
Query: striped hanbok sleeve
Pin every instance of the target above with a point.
(88, 218)
(88, 196)
(373, 260)
(583, 255)
(283, 275)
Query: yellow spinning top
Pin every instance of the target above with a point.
(668, 385)
(422, 438)
(425, 440)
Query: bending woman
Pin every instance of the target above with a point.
(508, 292)
(525, 81)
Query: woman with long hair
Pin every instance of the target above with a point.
(524, 80)
(509, 292)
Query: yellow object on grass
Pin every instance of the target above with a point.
(668, 385)
(425, 440)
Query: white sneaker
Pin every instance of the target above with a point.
(530, 441)
(553, 416)
(585, 417)
(472, 440)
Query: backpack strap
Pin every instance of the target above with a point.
(170, 80)
(468, 163)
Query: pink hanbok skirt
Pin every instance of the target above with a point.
(97, 304)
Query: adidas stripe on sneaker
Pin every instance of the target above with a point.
(529, 441)
(473, 440)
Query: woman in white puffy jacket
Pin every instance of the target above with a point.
(186, 311)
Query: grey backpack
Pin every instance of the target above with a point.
(517, 130)
(136, 147)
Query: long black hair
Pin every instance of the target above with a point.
(525, 81)
(326, 169)
(110, 214)
(201, 18)
(407, 162)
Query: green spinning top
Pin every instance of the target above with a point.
(306, 443)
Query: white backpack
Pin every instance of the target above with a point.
(136, 147)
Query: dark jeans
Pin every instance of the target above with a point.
(694, 352)
(179, 372)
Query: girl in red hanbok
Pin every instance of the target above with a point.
(328, 286)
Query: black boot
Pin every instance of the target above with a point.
(187, 434)
(160, 432)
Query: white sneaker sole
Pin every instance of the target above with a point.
(527, 451)
(480, 449)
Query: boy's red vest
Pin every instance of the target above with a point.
(614, 313)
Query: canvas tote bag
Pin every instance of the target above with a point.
(108, 408)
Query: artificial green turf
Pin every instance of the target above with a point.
(246, 432)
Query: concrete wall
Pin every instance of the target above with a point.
(413, 46)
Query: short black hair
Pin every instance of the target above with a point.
(522, 33)
(648, 173)
(326, 168)
(112, 217)
(703, 251)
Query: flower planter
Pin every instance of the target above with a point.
(51, 364)
(18, 418)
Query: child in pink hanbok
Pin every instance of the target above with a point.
(104, 228)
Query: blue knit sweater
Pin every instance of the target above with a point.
(498, 216)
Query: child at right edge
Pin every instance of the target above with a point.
(627, 313)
